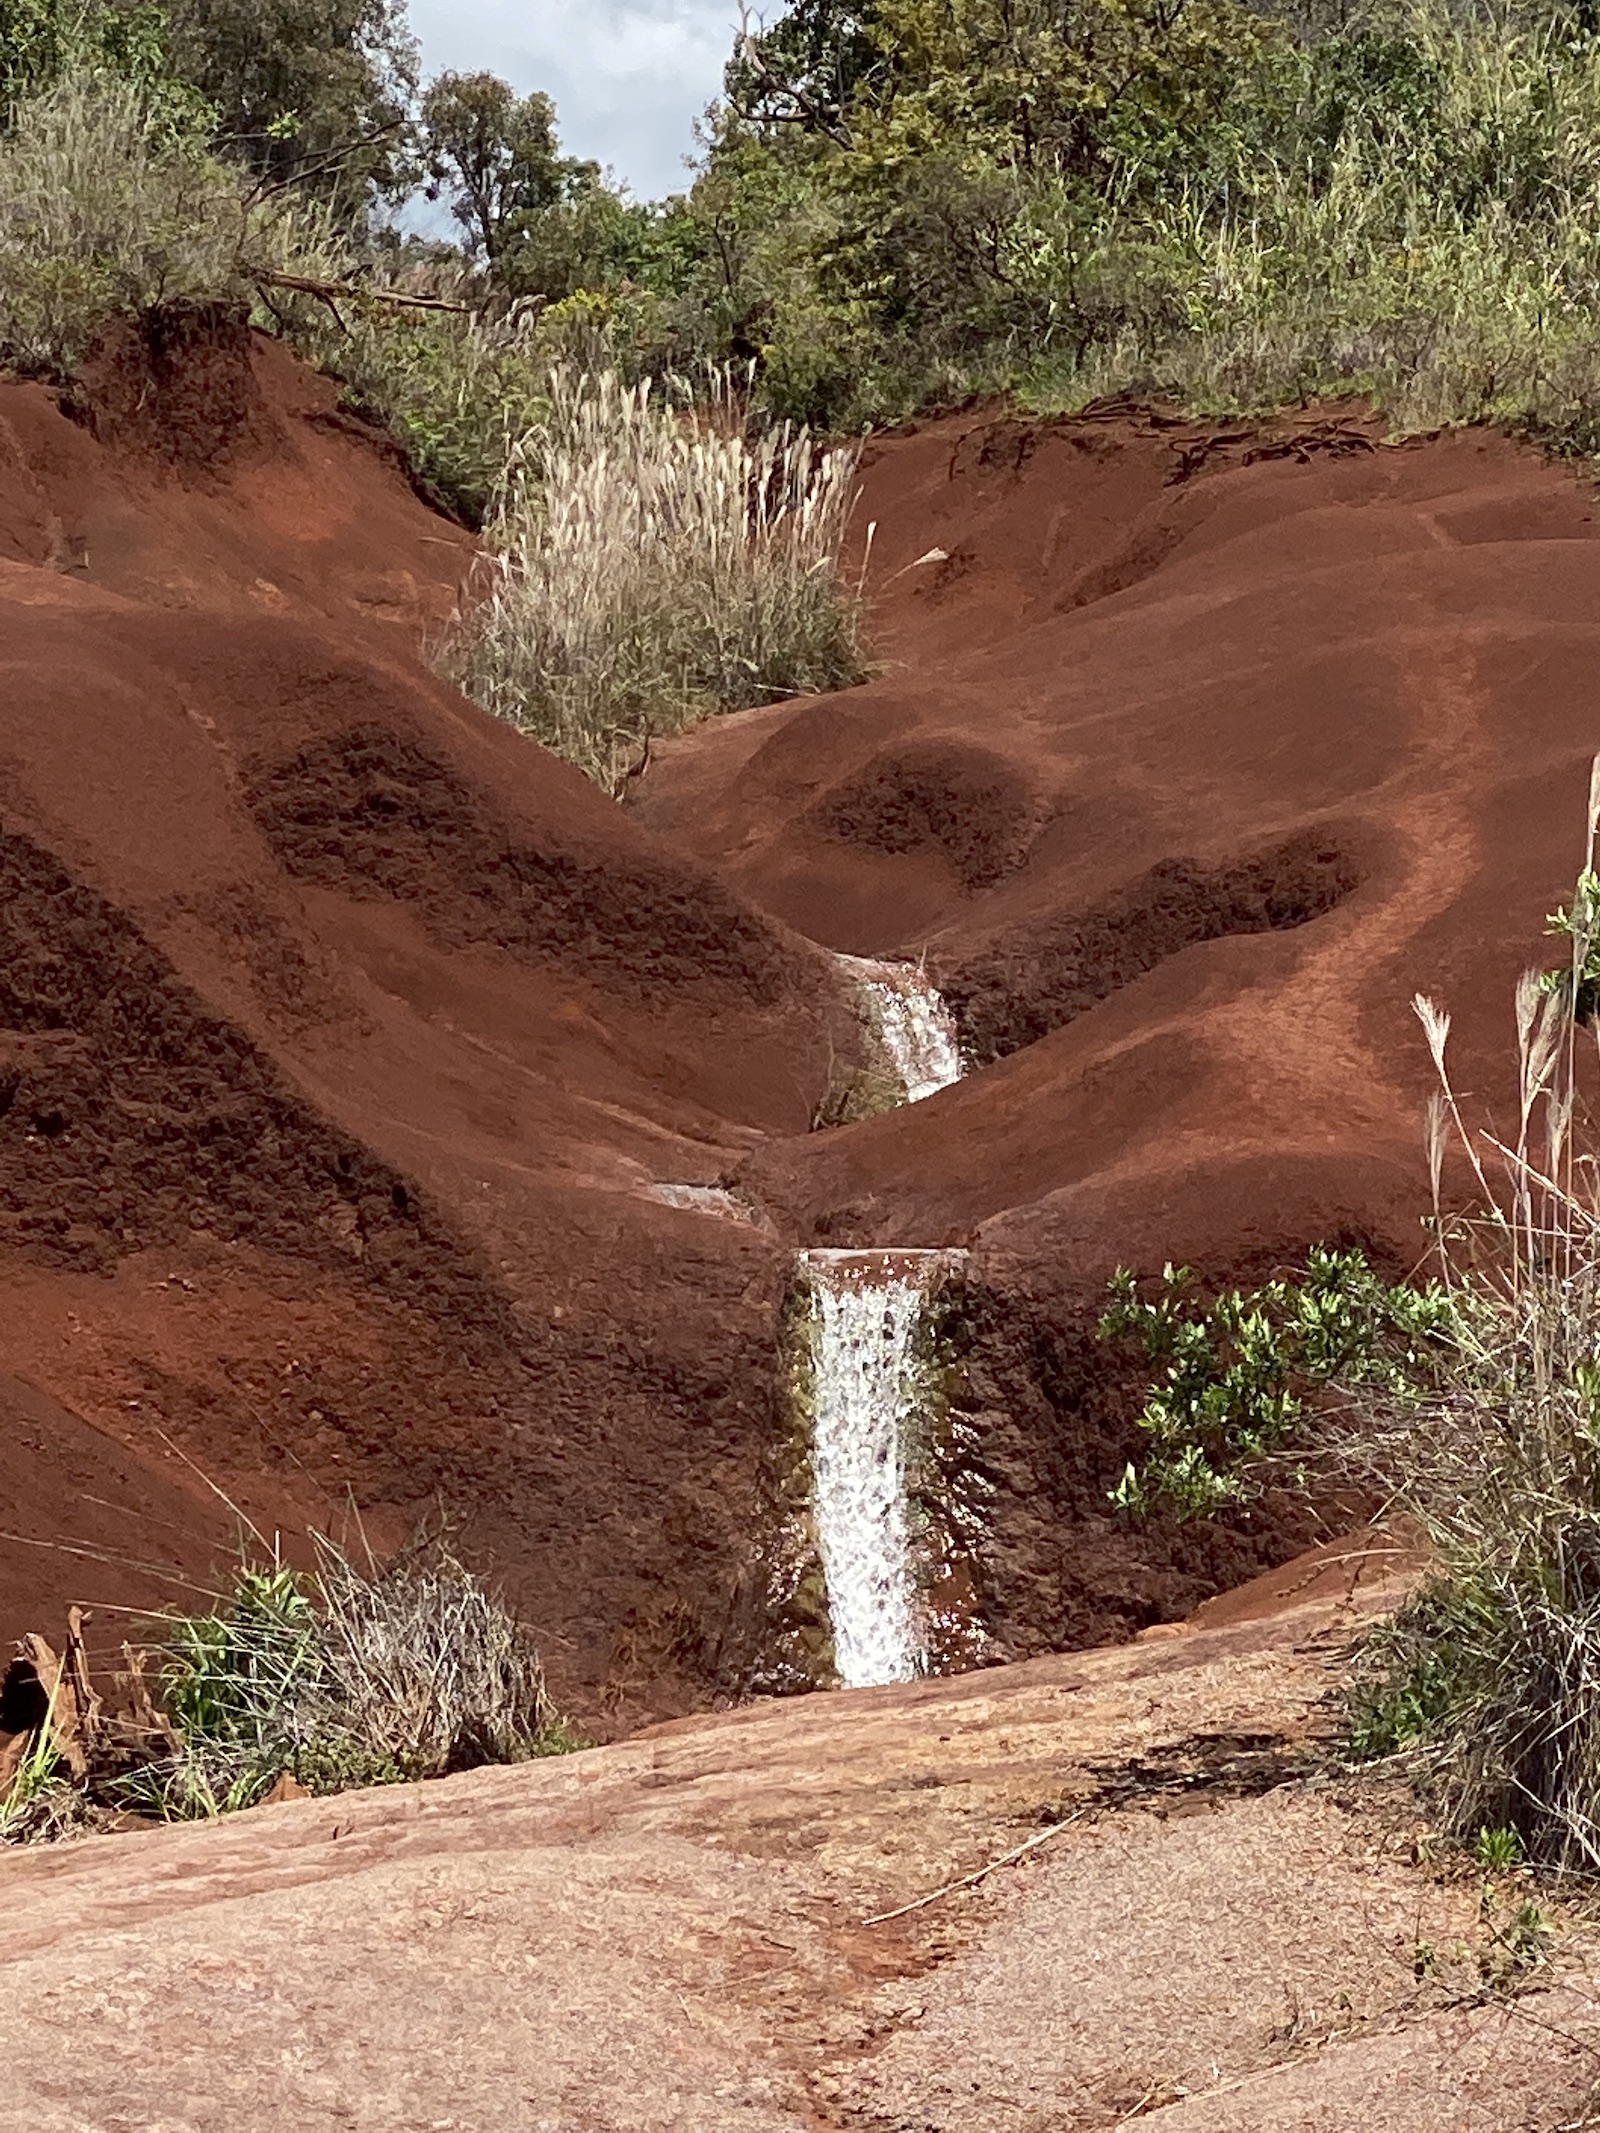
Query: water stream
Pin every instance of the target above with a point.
(918, 1031)
(869, 1310)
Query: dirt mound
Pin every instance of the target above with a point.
(343, 1037)
(368, 813)
(962, 804)
(1303, 721)
(1014, 989)
(177, 385)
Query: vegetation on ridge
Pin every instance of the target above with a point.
(895, 205)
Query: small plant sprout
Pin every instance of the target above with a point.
(1497, 1850)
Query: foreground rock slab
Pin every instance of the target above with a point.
(672, 1933)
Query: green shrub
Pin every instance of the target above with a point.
(344, 1678)
(1235, 210)
(1236, 1374)
(456, 390)
(651, 564)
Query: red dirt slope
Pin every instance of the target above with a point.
(1195, 756)
(342, 1034)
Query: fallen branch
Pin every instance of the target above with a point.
(328, 291)
(967, 1881)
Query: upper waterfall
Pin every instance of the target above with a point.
(917, 1029)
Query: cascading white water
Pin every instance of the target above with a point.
(918, 1031)
(868, 1308)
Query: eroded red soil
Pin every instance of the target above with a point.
(343, 1033)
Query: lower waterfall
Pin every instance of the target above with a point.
(869, 1309)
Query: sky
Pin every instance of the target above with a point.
(629, 77)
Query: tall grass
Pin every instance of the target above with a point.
(343, 1677)
(1440, 252)
(1493, 1675)
(105, 208)
(346, 1678)
(650, 564)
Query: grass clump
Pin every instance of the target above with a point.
(339, 1678)
(1490, 1678)
(456, 389)
(106, 207)
(651, 564)
(345, 1678)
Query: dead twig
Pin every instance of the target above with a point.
(967, 1881)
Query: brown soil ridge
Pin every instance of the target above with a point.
(342, 1037)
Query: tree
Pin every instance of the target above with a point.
(40, 39)
(496, 157)
(315, 90)
(807, 68)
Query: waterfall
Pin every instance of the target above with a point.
(916, 1027)
(868, 1310)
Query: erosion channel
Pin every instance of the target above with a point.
(393, 1123)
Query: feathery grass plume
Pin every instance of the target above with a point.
(1492, 1677)
(651, 564)
(105, 207)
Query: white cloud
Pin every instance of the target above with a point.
(629, 77)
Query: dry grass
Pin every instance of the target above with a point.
(652, 564)
(103, 208)
(347, 1677)
(426, 1666)
(1493, 1676)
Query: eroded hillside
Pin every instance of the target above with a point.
(347, 1036)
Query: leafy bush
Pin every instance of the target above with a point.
(1237, 1373)
(653, 564)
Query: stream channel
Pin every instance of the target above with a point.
(868, 1374)
(866, 1328)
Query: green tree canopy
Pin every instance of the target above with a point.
(319, 90)
(495, 156)
(39, 39)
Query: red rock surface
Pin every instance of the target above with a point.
(686, 1932)
(343, 1033)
